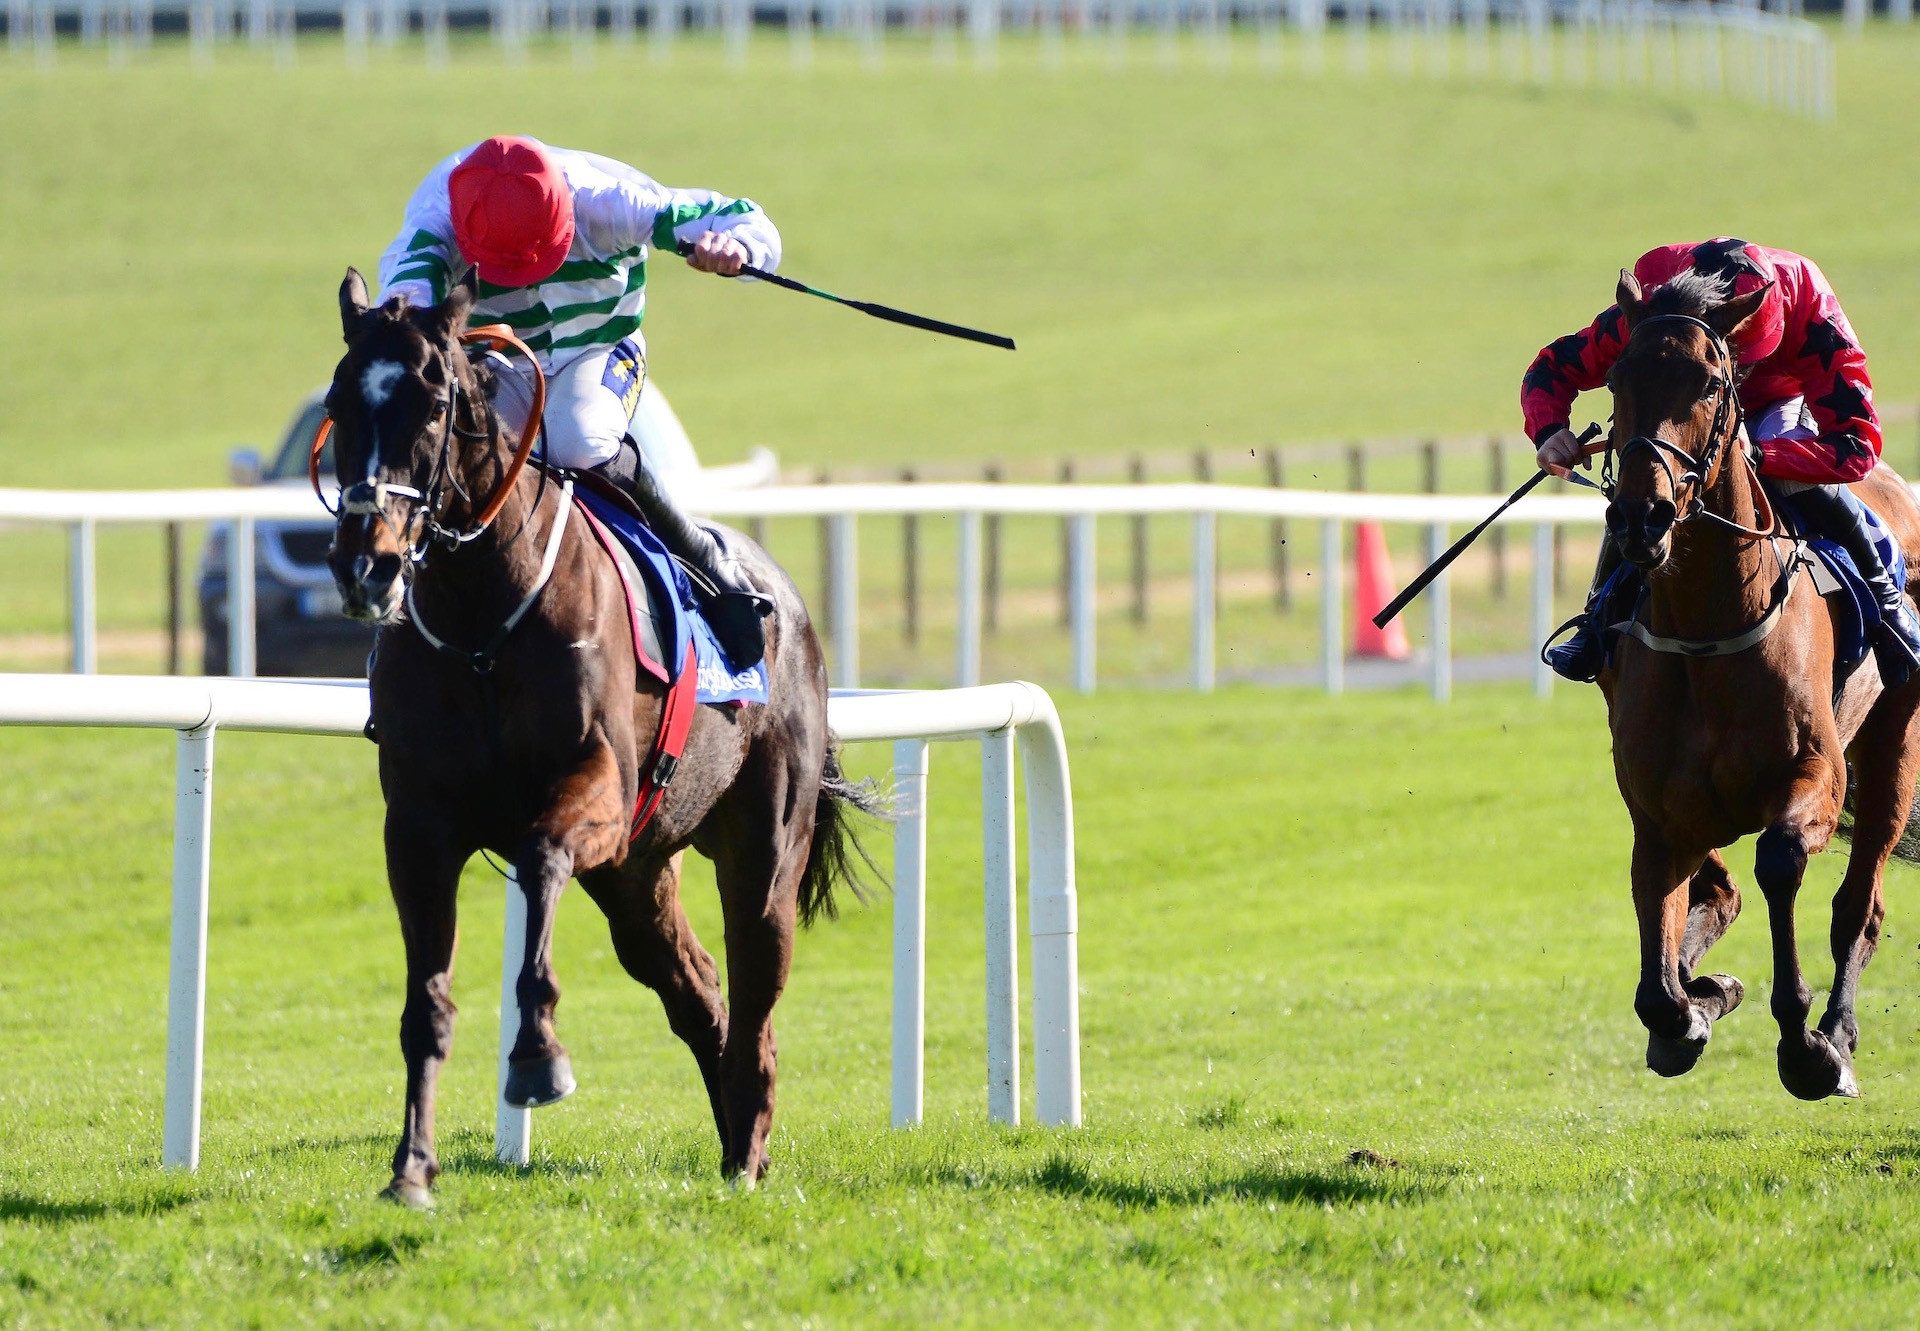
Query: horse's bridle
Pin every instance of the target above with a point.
(1725, 431)
(423, 528)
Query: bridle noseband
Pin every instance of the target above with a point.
(1725, 431)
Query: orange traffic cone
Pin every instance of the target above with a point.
(1372, 589)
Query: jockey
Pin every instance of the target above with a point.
(556, 241)
(1809, 410)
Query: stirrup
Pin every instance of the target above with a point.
(1581, 657)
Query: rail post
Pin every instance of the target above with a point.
(1080, 598)
(1205, 590)
(843, 599)
(910, 565)
(83, 595)
(909, 930)
(1003, 961)
(1440, 622)
(187, 949)
(1333, 645)
(967, 626)
(512, 1124)
(1497, 538)
(1053, 923)
(240, 601)
(1277, 537)
(1137, 531)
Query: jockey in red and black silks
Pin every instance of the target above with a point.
(1806, 395)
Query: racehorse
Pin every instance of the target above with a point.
(520, 724)
(1722, 704)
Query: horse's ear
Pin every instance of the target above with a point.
(449, 317)
(1725, 319)
(1630, 297)
(353, 303)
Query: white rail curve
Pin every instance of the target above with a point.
(842, 505)
(994, 714)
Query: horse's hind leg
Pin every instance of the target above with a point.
(424, 874)
(583, 824)
(1884, 771)
(1713, 903)
(657, 947)
(1811, 1066)
(759, 848)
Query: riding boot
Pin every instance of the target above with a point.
(733, 602)
(1837, 513)
(1580, 657)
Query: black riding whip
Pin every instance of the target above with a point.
(1454, 551)
(886, 312)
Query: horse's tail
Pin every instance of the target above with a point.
(837, 854)
(1907, 847)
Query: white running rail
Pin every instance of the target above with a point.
(82, 511)
(996, 715)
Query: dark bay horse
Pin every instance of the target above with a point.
(1736, 730)
(535, 753)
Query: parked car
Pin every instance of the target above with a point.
(299, 629)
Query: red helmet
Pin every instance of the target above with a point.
(1746, 268)
(512, 211)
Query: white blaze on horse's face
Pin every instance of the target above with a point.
(377, 383)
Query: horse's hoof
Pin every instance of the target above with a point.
(539, 1081)
(1720, 994)
(1672, 1057)
(413, 1196)
(1812, 1068)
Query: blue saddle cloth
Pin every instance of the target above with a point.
(677, 610)
(1856, 614)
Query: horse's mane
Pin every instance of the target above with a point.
(1691, 294)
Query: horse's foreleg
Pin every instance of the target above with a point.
(657, 947)
(585, 824)
(1713, 903)
(424, 875)
(1678, 1026)
(1811, 1067)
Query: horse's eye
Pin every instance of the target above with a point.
(439, 409)
(1711, 388)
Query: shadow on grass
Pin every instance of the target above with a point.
(1303, 1186)
(28, 1209)
(480, 1159)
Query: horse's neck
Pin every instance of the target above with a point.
(481, 582)
(1720, 583)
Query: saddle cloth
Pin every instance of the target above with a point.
(1856, 614)
(662, 608)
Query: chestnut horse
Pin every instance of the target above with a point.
(527, 739)
(1725, 723)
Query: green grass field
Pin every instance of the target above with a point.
(1320, 928)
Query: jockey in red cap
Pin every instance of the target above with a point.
(1809, 411)
(556, 243)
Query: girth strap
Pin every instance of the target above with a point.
(1739, 642)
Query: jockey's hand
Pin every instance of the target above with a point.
(717, 252)
(1561, 453)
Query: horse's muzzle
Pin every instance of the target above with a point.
(1643, 530)
(370, 587)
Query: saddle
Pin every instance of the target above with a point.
(666, 625)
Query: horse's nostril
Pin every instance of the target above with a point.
(362, 569)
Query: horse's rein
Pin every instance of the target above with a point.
(1726, 428)
(497, 337)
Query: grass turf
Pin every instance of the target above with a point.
(1310, 928)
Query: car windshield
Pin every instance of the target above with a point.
(292, 462)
